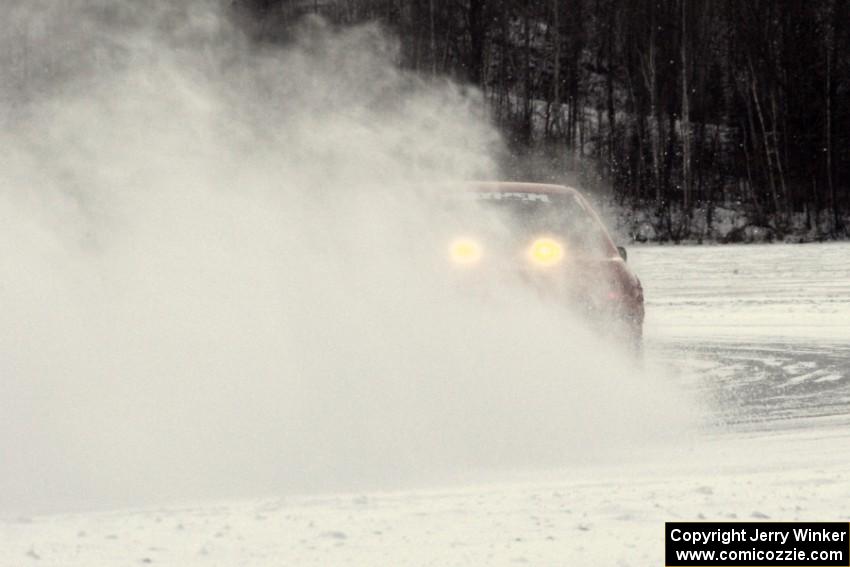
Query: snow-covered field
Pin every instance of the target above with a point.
(764, 330)
(760, 335)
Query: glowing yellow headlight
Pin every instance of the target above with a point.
(546, 252)
(465, 251)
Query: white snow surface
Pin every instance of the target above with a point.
(782, 290)
(759, 334)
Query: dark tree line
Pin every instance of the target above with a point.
(675, 105)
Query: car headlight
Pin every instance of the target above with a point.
(465, 251)
(546, 252)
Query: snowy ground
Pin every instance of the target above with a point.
(760, 334)
(763, 330)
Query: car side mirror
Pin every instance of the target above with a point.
(623, 253)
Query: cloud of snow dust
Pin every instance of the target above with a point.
(221, 274)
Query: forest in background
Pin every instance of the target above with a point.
(680, 110)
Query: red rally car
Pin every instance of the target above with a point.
(552, 239)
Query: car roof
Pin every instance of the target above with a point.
(521, 187)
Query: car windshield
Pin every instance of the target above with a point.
(519, 217)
